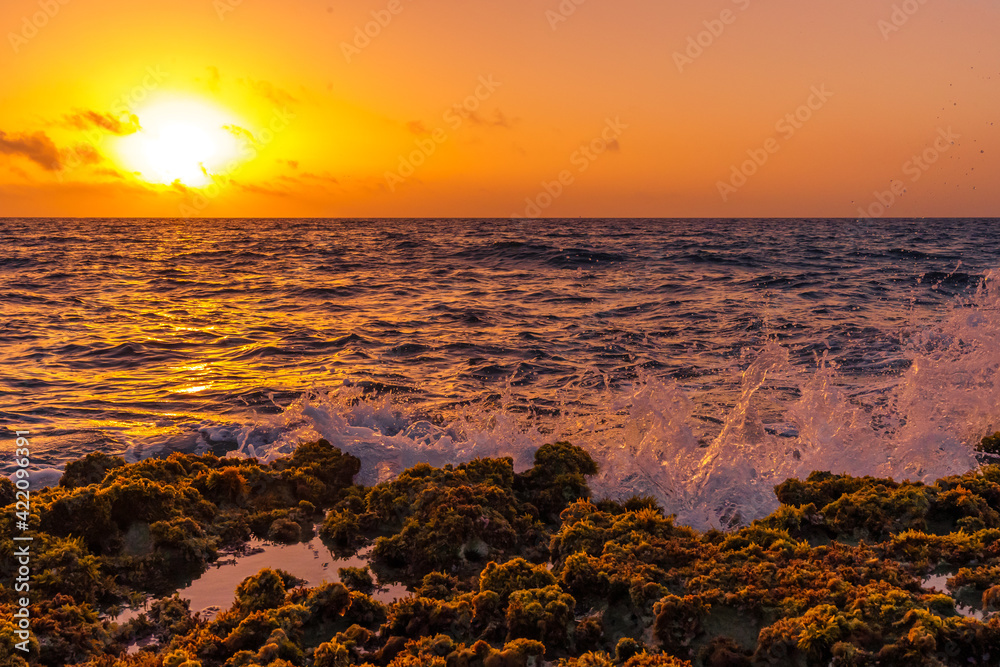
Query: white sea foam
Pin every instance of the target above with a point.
(921, 424)
(41, 477)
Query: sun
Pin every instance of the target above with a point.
(181, 139)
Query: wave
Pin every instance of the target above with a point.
(920, 423)
(527, 252)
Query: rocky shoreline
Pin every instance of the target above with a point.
(503, 568)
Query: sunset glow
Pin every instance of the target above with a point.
(535, 333)
(364, 109)
(181, 140)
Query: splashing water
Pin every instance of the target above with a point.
(922, 425)
(384, 437)
(699, 361)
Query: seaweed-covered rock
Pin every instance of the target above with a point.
(542, 614)
(8, 492)
(458, 518)
(342, 529)
(327, 600)
(264, 590)
(68, 632)
(679, 622)
(91, 469)
(990, 444)
(452, 527)
(822, 488)
(65, 567)
(510, 569)
(9, 639)
(324, 462)
(558, 478)
(514, 575)
(226, 486)
(285, 530)
(170, 617)
(331, 654)
(599, 659)
(358, 579)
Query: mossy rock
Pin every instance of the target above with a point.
(512, 568)
(91, 469)
(990, 444)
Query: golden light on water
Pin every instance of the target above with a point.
(181, 139)
(195, 389)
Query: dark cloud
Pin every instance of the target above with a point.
(83, 120)
(81, 154)
(320, 178)
(499, 119)
(36, 147)
(417, 127)
(271, 92)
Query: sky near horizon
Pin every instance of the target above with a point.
(413, 108)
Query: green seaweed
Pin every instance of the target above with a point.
(358, 579)
(509, 568)
(91, 469)
(990, 444)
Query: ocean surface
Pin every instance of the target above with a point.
(699, 361)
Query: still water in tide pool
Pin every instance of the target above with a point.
(698, 360)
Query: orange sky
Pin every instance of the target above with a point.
(264, 108)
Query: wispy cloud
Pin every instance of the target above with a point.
(271, 92)
(83, 120)
(86, 154)
(239, 132)
(499, 119)
(320, 178)
(417, 127)
(260, 189)
(309, 180)
(111, 173)
(36, 147)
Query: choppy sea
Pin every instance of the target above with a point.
(699, 361)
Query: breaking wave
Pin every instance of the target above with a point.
(651, 438)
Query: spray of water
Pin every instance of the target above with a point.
(920, 424)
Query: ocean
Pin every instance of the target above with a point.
(699, 361)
